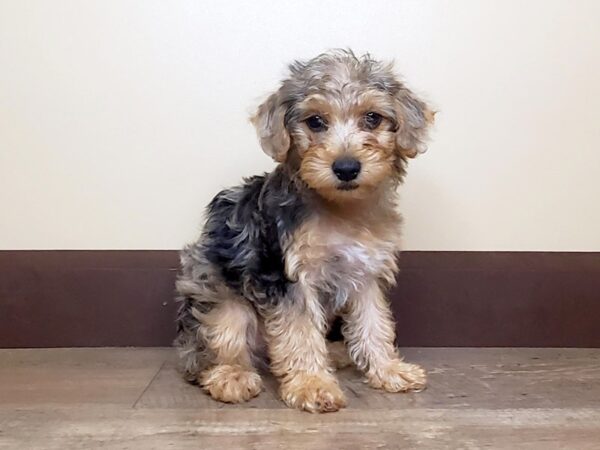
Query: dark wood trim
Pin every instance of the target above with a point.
(498, 299)
(86, 298)
(122, 298)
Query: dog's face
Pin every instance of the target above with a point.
(347, 123)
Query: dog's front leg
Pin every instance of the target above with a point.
(295, 331)
(369, 333)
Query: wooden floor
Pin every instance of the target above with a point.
(134, 399)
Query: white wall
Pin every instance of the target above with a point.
(120, 119)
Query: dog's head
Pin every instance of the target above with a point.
(347, 123)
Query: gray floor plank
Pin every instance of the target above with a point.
(271, 429)
(135, 399)
(76, 376)
(458, 378)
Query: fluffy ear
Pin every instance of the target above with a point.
(414, 119)
(270, 127)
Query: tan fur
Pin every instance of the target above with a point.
(230, 330)
(231, 383)
(296, 341)
(341, 254)
(369, 331)
(369, 328)
(313, 392)
(272, 134)
(338, 354)
(376, 149)
(398, 376)
(374, 226)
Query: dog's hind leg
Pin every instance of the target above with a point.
(338, 354)
(217, 340)
(230, 331)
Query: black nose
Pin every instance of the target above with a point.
(346, 169)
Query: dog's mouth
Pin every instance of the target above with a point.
(347, 186)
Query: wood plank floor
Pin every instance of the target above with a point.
(133, 398)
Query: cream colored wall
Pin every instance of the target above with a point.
(120, 119)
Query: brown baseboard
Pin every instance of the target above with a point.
(479, 299)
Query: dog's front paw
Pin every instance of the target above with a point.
(398, 376)
(313, 393)
(231, 384)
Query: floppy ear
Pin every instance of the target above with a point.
(270, 127)
(414, 118)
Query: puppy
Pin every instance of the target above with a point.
(285, 253)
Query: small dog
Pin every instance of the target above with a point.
(287, 252)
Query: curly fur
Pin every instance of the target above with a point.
(283, 254)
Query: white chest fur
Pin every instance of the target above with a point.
(338, 256)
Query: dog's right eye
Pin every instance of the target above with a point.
(316, 123)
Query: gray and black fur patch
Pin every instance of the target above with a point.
(238, 255)
(246, 230)
(242, 243)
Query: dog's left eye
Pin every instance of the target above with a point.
(372, 120)
(316, 123)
